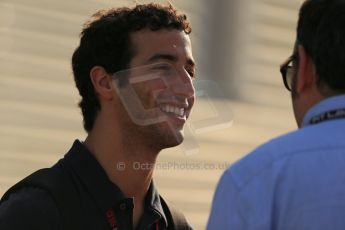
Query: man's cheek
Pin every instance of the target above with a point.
(147, 92)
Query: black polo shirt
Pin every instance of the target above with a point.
(104, 205)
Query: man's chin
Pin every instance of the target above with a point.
(173, 139)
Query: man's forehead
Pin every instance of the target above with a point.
(171, 57)
(161, 43)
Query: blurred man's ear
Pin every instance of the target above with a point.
(102, 82)
(306, 73)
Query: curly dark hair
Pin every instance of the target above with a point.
(321, 30)
(105, 41)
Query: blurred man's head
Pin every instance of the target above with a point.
(105, 41)
(318, 58)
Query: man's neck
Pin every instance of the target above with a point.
(129, 167)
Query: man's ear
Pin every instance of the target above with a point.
(306, 74)
(102, 82)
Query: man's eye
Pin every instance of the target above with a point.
(162, 71)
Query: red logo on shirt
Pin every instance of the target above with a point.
(111, 218)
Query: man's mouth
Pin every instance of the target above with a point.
(178, 112)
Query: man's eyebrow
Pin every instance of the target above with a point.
(161, 56)
(167, 57)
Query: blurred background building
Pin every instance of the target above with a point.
(238, 45)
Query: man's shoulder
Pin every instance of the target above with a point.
(31, 208)
(263, 156)
(28, 197)
(273, 155)
(294, 142)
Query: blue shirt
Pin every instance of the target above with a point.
(293, 182)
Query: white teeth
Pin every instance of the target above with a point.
(173, 109)
(177, 111)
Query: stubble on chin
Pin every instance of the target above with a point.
(164, 135)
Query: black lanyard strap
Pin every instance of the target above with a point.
(329, 115)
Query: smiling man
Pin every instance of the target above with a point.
(134, 69)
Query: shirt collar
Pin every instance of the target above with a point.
(91, 174)
(153, 201)
(105, 193)
(331, 103)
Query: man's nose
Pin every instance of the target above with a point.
(183, 85)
